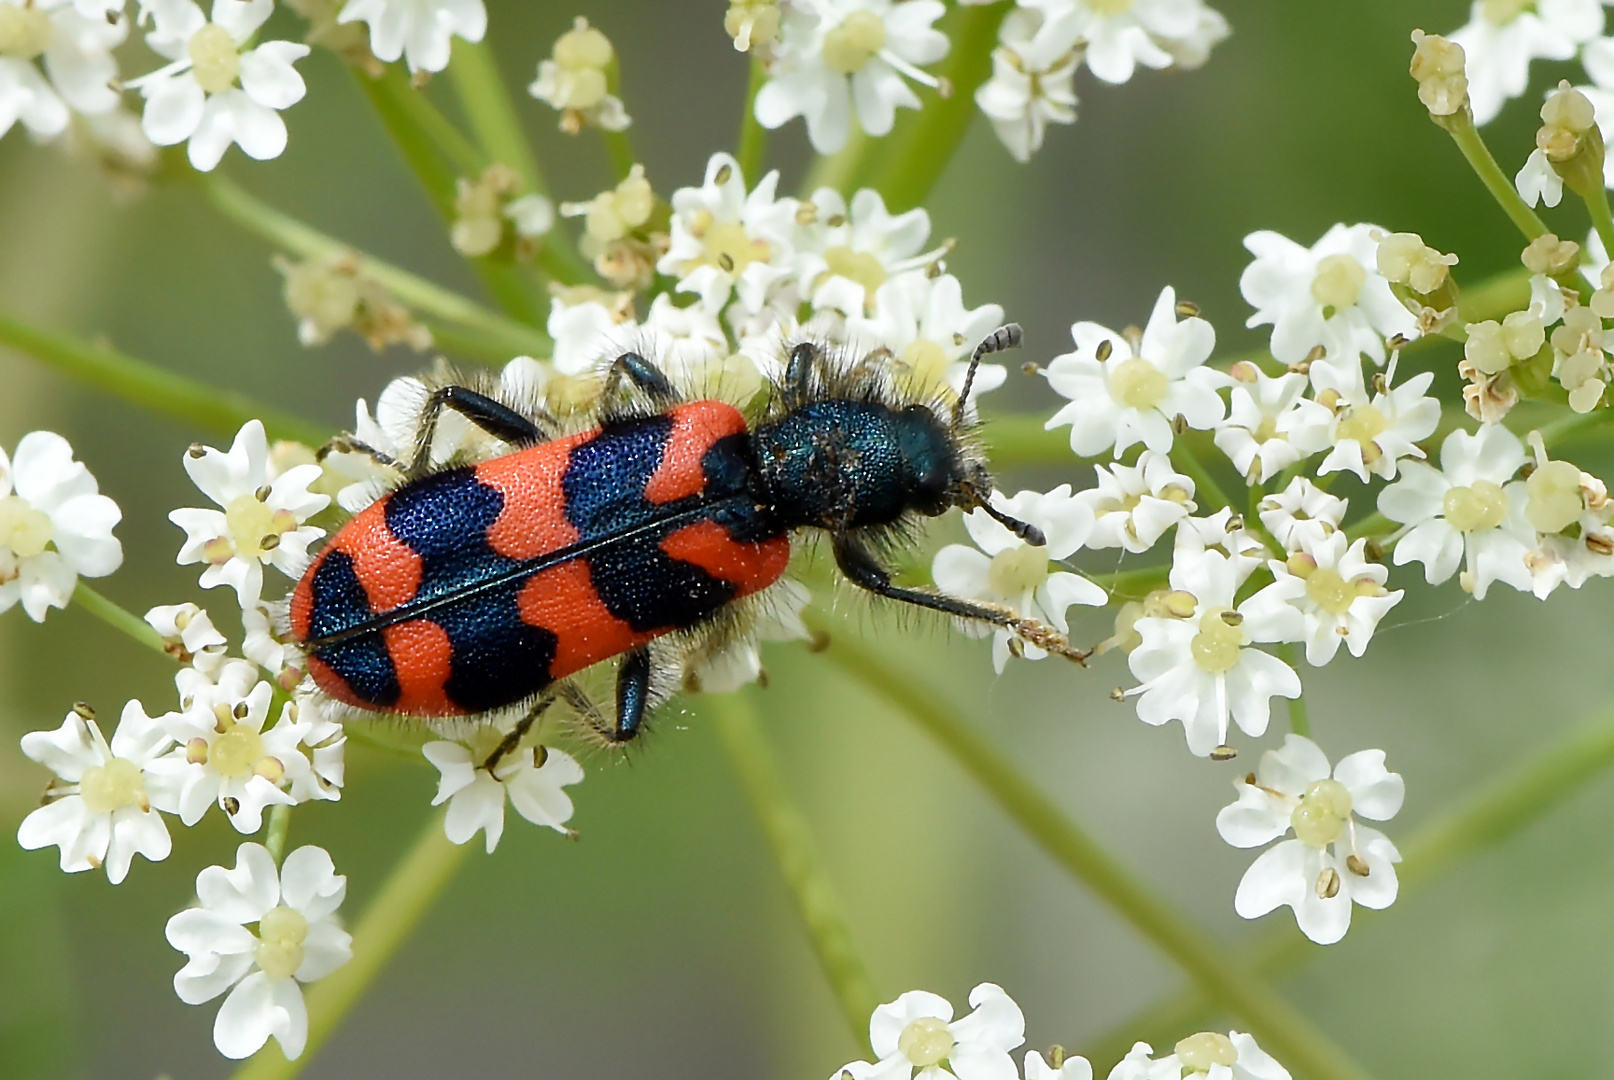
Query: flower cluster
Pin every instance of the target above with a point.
(917, 1032)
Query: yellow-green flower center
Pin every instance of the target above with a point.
(1322, 813)
(850, 45)
(1110, 7)
(858, 266)
(1199, 1052)
(236, 750)
(1138, 383)
(1216, 647)
(23, 529)
(281, 933)
(251, 522)
(1018, 570)
(24, 31)
(215, 59)
(1502, 12)
(1363, 425)
(1329, 591)
(113, 786)
(1481, 505)
(582, 47)
(1555, 500)
(727, 246)
(926, 362)
(1338, 283)
(925, 1041)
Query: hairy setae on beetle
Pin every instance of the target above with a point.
(477, 588)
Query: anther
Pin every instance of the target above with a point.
(270, 541)
(835, 221)
(1224, 753)
(1118, 694)
(1373, 550)
(1381, 385)
(1187, 309)
(726, 261)
(263, 493)
(420, 80)
(1328, 884)
(944, 87)
(1031, 367)
(724, 174)
(1104, 350)
(1398, 341)
(240, 711)
(84, 711)
(1356, 865)
(1317, 353)
(196, 450)
(1232, 618)
(1235, 523)
(231, 804)
(1179, 424)
(1016, 648)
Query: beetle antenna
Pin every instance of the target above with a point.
(1003, 338)
(1023, 529)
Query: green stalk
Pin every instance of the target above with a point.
(155, 388)
(1282, 1031)
(1017, 440)
(618, 144)
(791, 841)
(125, 622)
(912, 158)
(1205, 485)
(279, 825)
(392, 916)
(1505, 806)
(753, 144)
(1597, 206)
(1133, 584)
(1299, 723)
(398, 106)
(1467, 137)
(296, 238)
(838, 170)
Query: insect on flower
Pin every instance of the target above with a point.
(652, 536)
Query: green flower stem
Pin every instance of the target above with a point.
(839, 169)
(488, 106)
(466, 157)
(428, 298)
(1602, 221)
(791, 841)
(1282, 1031)
(119, 619)
(155, 388)
(1299, 722)
(1490, 299)
(910, 160)
(1468, 140)
(398, 106)
(279, 826)
(1132, 584)
(1206, 489)
(1502, 808)
(753, 144)
(392, 916)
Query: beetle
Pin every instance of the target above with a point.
(476, 588)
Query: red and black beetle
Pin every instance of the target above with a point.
(481, 587)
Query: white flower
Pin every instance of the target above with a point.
(1538, 181)
(1330, 294)
(1198, 667)
(1470, 511)
(1241, 548)
(1338, 591)
(1033, 76)
(1208, 1054)
(1334, 860)
(325, 741)
(261, 520)
(1015, 574)
(1134, 505)
(1120, 399)
(727, 241)
(575, 81)
(1503, 36)
(1121, 36)
(1270, 423)
(224, 755)
(917, 1031)
(834, 54)
(686, 341)
(189, 635)
(922, 320)
(1301, 514)
(420, 30)
(100, 810)
(532, 215)
(532, 776)
(845, 254)
(54, 525)
(76, 50)
(1371, 435)
(196, 97)
(1569, 510)
(1071, 1068)
(586, 333)
(262, 932)
(778, 618)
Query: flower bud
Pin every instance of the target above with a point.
(1547, 254)
(1406, 260)
(1571, 141)
(753, 24)
(1437, 64)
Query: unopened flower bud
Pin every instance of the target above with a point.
(1547, 254)
(1406, 260)
(752, 24)
(1437, 64)
(1570, 140)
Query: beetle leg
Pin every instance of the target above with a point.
(645, 377)
(500, 421)
(860, 567)
(513, 737)
(347, 444)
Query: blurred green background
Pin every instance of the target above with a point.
(663, 943)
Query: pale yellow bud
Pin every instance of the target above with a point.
(1547, 254)
(1437, 64)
